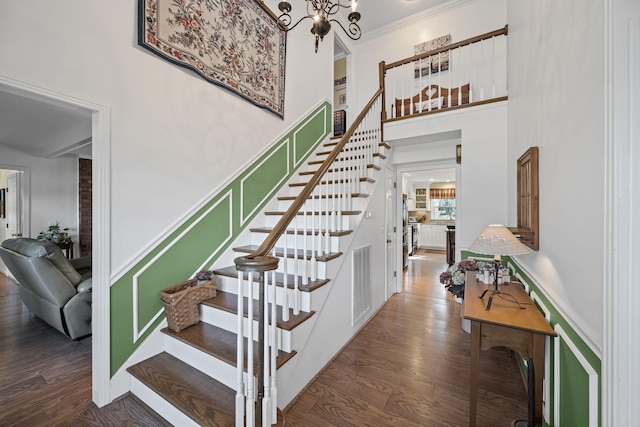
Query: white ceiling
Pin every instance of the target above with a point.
(46, 128)
(380, 13)
(41, 126)
(436, 175)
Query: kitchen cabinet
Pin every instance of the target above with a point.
(433, 236)
(421, 198)
(439, 236)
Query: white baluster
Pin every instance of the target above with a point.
(326, 215)
(470, 66)
(410, 80)
(333, 193)
(266, 365)
(449, 53)
(402, 107)
(459, 82)
(394, 112)
(481, 70)
(429, 83)
(305, 274)
(274, 351)
(439, 77)
(339, 195)
(493, 79)
(285, 269)
(240, 356)
(420, 85)
(296, 274)
(314, 271)
(250, 401)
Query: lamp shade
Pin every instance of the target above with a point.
(496, 239)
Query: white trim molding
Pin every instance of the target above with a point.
(591, 373)
(621, 295)
(546, 387)
(101, 264)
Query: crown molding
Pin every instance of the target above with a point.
(415, 18)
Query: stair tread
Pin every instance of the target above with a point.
(347, 150)
(205, 400)
(290, 252)
(342, 159)
(309, 287)
(353, 195)
(369, 166)
(334, 141)
(301, 231)
(302, 184)
(314, 213)
(220, 343)
(229, 302)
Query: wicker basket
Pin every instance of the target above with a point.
(181, 302)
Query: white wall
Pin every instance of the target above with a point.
(174, 136)
(481, 186)
(556, 102)
(332, 325)
(51, 186)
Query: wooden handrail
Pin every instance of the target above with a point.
(501, 31)
(281, 227)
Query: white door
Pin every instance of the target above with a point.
(390, 235)
(14, 226)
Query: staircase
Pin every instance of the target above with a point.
(196, 379)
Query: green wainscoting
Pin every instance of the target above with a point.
(573, 369)
(198, 242)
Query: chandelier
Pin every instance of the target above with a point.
(320, 12)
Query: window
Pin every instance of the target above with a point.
(443, 209)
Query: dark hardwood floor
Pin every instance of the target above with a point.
(408, 367)
(45, 378)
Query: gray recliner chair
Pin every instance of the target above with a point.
(55, 289)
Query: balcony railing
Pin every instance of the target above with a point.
(467, 73)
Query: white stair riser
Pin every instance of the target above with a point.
(340, 174)
(214, 367)
(167, 411)
(350, 204)
(321, 267)
(352, 187)
(229, 322)
(230, 285)
(319, 222)
(308, 242)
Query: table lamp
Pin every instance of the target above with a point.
(497, 240)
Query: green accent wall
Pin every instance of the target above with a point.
(135, 306)
(575, 369)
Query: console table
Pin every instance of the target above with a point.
(505, 325)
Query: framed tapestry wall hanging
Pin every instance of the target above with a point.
(236, 44)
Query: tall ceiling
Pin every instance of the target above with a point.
(377, 14)
(48, 129)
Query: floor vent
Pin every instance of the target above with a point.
(361, 291)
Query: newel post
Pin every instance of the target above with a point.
(259, 265)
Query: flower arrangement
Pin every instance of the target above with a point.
(204, 276)
(56, 234)
(454, 277)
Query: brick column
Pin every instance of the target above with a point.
(84, 202)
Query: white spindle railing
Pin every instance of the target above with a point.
(313, 216)
(479, 62)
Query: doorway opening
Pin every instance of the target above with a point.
(37, 160)
(341, 86)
